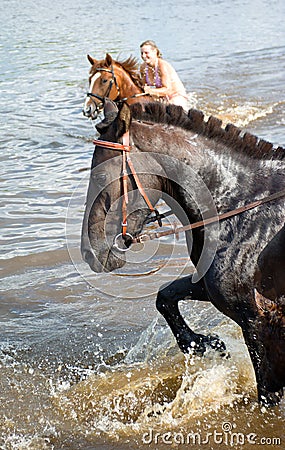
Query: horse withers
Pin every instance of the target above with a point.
(207, 171)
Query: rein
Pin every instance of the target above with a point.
(142, 94)
(235, 212)
(126, 161)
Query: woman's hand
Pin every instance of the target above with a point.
(149, 90)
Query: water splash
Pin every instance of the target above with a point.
(242, 115)
(156, 385)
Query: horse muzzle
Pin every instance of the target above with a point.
(104, 259)
(91, 108)
(90, 112)
(87, 111)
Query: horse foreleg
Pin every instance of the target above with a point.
(266, 351)
(266, 341)
(167, 304)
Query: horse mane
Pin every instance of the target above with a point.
(230, 136)
(131, 66)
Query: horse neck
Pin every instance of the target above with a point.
(127, 86)
(200, 176)
(178, 177)
(205, 177)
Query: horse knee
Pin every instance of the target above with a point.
(163, 299)
(170, 294)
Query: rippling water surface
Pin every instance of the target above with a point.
(85, 361)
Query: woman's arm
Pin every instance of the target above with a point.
(165, 77)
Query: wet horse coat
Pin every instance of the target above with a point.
(239, 262)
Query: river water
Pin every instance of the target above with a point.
(85, 361)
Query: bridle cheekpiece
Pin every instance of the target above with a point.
(125, 148)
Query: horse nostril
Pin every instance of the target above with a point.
(87, 111)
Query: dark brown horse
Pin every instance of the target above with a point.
(202, 170)
(117, 80)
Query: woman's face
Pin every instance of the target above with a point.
(149, 54)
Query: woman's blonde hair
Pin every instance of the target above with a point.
(153, 45)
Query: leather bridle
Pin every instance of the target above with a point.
(127, 163)
(99, 106)
(113, 80)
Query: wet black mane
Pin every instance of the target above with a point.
(231, 136)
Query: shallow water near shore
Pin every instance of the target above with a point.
(85, 360)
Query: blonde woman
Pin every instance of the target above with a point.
(159, 78)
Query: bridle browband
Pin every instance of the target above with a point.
(125, 149)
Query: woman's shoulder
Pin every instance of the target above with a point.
(165, 65)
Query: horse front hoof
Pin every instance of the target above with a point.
(198, 344)
(270, 399)
(194, 345)
(215, 343)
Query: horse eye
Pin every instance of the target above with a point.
(104, 80)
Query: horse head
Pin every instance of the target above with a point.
(103, 241)
(114, 80)
(102, 83)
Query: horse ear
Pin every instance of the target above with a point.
(91, 60)
(108, 60)
(124, 118)
(110, 110)
(110, 114)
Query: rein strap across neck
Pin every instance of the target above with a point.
(176, 230)
(125, 149)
